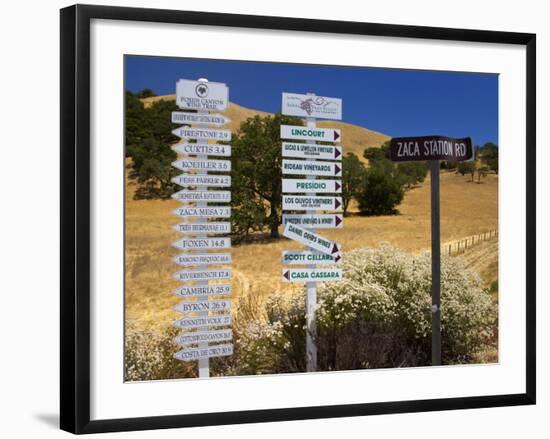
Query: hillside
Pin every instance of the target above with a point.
(355, 138)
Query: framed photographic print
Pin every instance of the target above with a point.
(275, 218)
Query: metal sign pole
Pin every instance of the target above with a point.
(436, 265)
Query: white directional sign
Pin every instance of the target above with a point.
(308, 151)
(315, 221)
(202, 243)
(323, 107)
(202, 134)
(203, 306)
(187, 180)
(204, 337)
(221, 350)
(307, 133)
(203, 196)
(202, 275)
(308, 257)
(189, 259)
(306, 202)
(312, 274)
(204, 212)
(204, 119)
(296, 185)
(312, 240)
(201, 95)
(204, 227)
(198, 322)
(203, 291)
(203, 165)
(303, 167)
(203, 148)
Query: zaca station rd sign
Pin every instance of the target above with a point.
(306, 133)
(216, 149)
(202, 243)
(302, 167)
(306, 202)
(203, 291)
(308, 151)
(202, 134)
(198, 322)
(189, 259)
(297, 186)
(408, 149)
(203, 196)
(203, 212)
(199, 95)
(202, 275)
(314, 221)
(204, 227)
(323, 107)
(204, 337)
(310, 239)
(203, 119)
(193, 180)
(203, 306)
(221, 350)
(312, 274)
(203, 165)
(307, 257)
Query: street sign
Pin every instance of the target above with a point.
(203, 149)
(408, 149)
(203, 291)
(203, 165)
(314, 221)
(204, 227)
(312, 240)
(201, 95)
(308, 133)
(296, 185)
(202, 275)
(308, 151)
(202, 134)
(189, 259)
(204, 337)
(300, 105)
(221, 350)
(312, 274)
(202, 243)
(203, 119)
(203, 306)
(308, 257)
(204, 212)
(187, 180)
(306, 202)
(303, 167)
(202, 196)
(198, 322)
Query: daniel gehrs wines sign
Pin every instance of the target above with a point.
(206, 274)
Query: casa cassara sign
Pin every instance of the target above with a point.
(409, 149)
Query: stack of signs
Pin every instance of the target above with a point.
(204, 196)
(315, 186)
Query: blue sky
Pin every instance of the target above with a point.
(394, 102)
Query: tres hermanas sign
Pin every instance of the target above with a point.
(408, 149)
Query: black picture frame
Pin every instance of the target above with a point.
(75, 217)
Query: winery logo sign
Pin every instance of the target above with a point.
(312, 106)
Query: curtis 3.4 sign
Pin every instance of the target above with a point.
(409, 149)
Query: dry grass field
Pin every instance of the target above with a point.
(467, 208)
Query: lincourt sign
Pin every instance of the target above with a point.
(410, 149)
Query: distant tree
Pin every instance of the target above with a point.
(146, 93)
(413, 172)
(467, 167)
(489, 155)
(377, 155)
(481, 172)
(380, 192)
(352, 176)
(256, 174)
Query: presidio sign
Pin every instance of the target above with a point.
(319, 168)
(201, 307)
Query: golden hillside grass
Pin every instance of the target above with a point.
(466, 209)
(356, 138)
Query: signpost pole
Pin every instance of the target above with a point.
(436, 265)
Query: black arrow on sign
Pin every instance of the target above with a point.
(337, 258)
(337, 220)
(337, 186)
(336, 135)
(335, 249)
(337, 203)
(337, 169)
(337, 152)
(287, 275)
